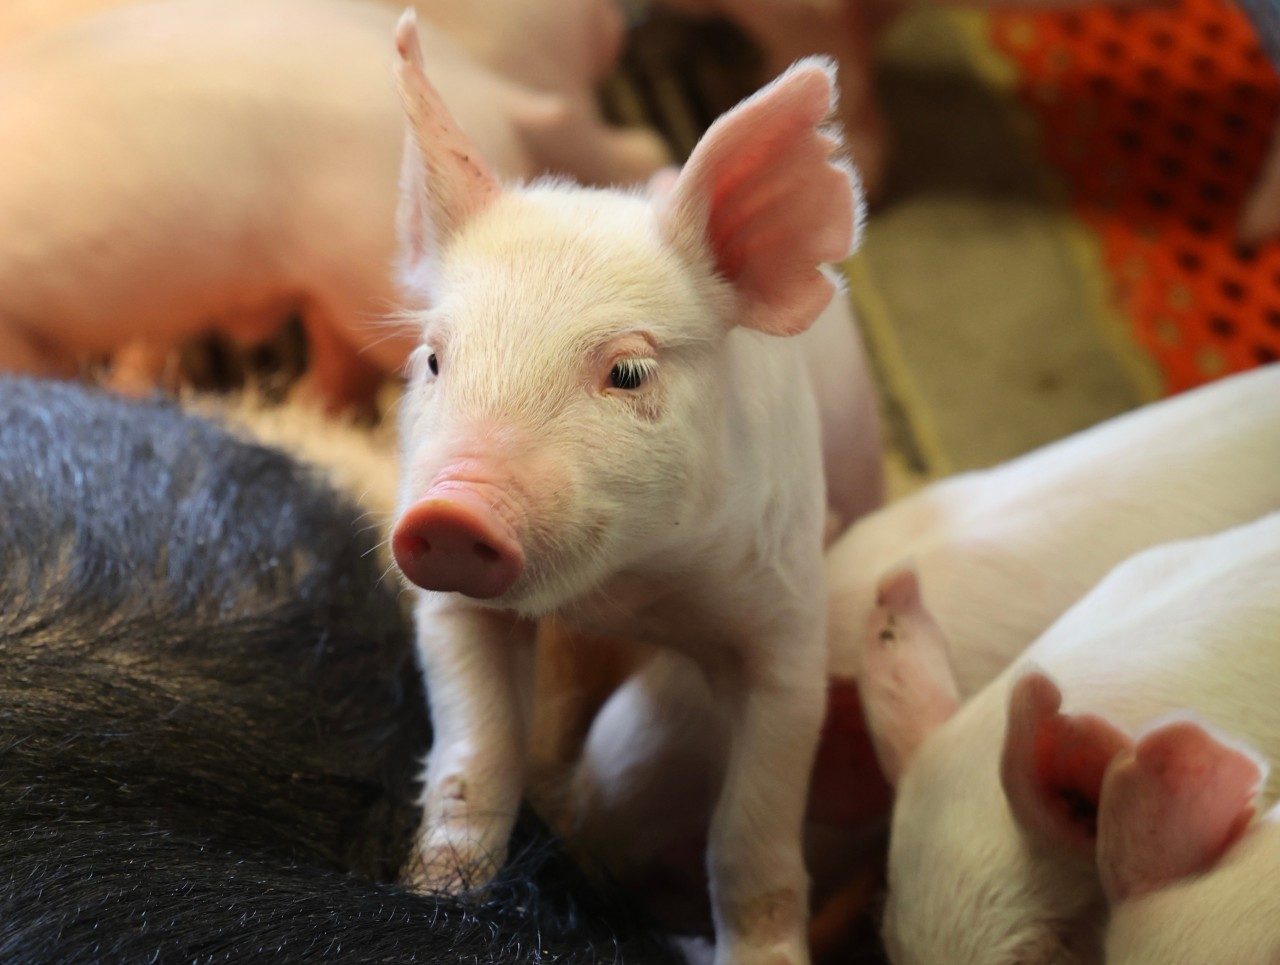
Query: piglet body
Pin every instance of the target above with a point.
(1004, 551)
(1008, 823)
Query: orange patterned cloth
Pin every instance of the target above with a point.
(1158, 120)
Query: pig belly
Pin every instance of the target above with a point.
(156, 190)
(23, 18)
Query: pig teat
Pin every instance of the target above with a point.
(454, 540)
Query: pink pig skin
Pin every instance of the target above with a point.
(1092, 767)
(843, 29)
(193, 164)
(849, 411)
(646, 728)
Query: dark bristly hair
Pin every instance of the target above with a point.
(210, 718)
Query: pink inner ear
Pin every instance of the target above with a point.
(761, 191)
(1054, 763)
(1172, 808)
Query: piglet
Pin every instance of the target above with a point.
(1004, 551)
(174, 167)
(997, 849)
(604, 422)
(1188, 877)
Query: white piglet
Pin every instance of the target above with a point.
(998, 851)
(603, 423)
(1004, 551)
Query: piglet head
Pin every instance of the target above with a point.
(985, 870)
(566, 405)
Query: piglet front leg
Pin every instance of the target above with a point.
(475, 771)
(776, 700)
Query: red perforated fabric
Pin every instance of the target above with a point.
(1158, 120)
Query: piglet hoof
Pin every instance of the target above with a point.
(769, 930)
(732, 952)
(450, 861)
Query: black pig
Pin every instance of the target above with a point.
(210, 717)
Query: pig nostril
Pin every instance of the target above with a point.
(486, 552)
(416, 546)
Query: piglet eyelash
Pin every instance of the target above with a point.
(635, 370)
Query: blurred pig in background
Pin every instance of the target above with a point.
(175, 168)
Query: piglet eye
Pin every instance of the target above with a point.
(630, 373)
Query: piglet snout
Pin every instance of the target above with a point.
(455, 540)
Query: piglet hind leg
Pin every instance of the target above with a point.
(759, 888)
(475, 770)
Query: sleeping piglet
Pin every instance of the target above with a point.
(1000, 847)
(194, 165)
(606, 422)
(1005, 551)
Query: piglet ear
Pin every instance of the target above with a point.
(764, 200)
(445, 181)
(908, 688)
(1172, 807)
(1053, 765)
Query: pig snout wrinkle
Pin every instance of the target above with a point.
(453, 540)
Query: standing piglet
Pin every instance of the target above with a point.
(997, 851)
(603, 423)
(1188, 878)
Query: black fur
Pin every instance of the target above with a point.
(210, 719)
